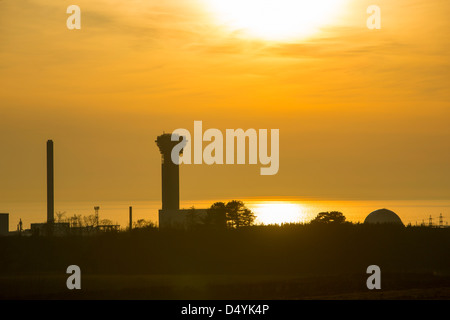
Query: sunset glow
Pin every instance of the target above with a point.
(275, 19)
(362, 114)
(278, 212)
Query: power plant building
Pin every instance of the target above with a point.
(383, 216)
(4, 224)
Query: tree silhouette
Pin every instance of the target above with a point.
(106, 222)
(234, 214)
(248, 217)
(191, 217)
(216, 216)
(76, 220)
(90, 221)
(238, 214)
(329, 217)
(143, 224)
(60, 216)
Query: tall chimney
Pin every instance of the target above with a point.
(50, 185)
(131, 218)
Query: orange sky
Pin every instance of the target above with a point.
(363, 114)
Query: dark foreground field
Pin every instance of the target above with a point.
(225, 287)
(289, 262)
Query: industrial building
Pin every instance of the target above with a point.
(383, 216)
(4, 224)
(51, 227)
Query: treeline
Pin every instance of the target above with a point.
(79, 221)
(315, 248)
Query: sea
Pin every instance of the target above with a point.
(414, 212)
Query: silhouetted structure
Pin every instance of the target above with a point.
(4, 224)
(170, 183)
(171, 215)
(50, 184)
(131, 218)
(96, 210)
(170, 173)
(58, 228)
(50, 229)
(383, 216)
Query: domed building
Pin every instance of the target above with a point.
(383, 216)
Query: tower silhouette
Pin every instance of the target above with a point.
(170, 173)
(50, 184)
(96, 210)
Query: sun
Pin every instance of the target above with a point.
(278, 212)
(277, 20)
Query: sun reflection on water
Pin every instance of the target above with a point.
(278, 212)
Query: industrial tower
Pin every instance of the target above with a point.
(50, 184)
(170, 173)
(171, 216)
